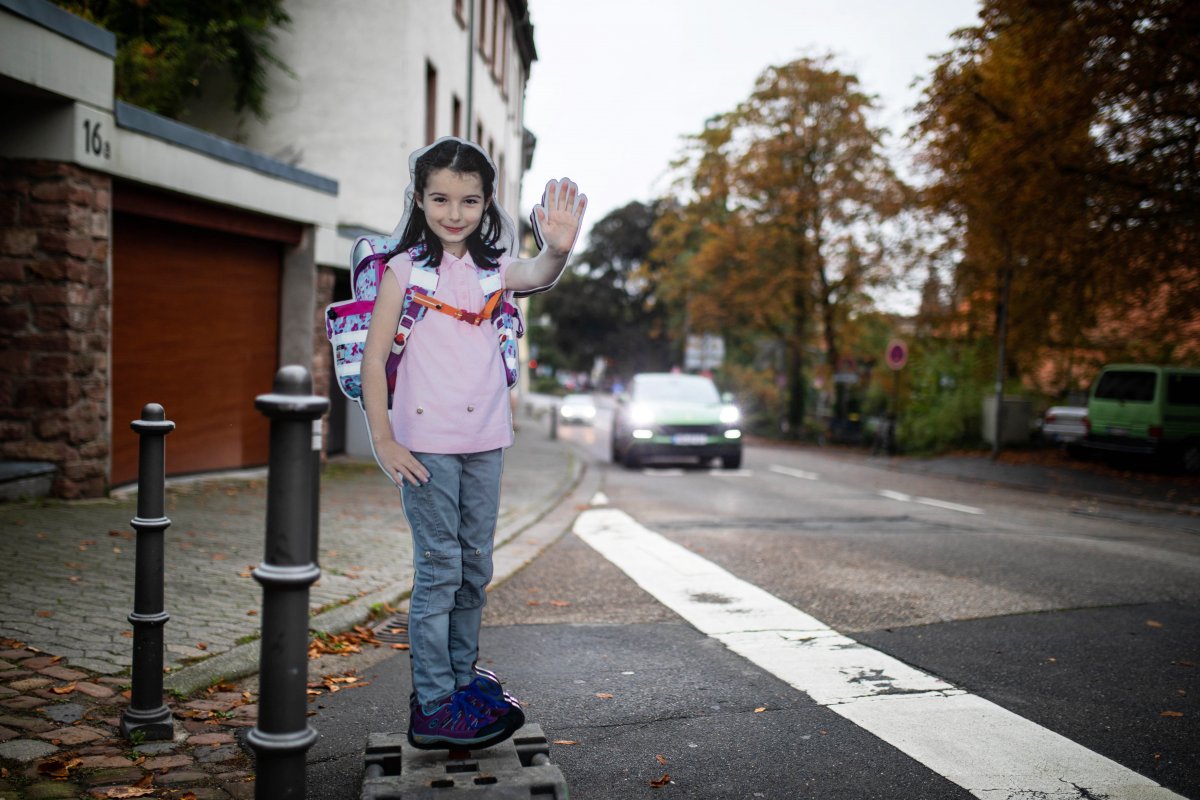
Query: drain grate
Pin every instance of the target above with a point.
(393, 630)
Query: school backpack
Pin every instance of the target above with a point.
(346, 322)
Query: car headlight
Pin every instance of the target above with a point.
(730, 415)
(641, 415)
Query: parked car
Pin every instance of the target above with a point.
(1146, 409)
(674, 416)
(577, 409)
(1065, 425)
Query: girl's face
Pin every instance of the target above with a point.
(453, 203)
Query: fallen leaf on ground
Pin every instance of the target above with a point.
(58, 767)
(559, 603)
(399, 646)
(45, 613)
(533, 602)
(121, 534)
(1171, 714)
(70, 687)
(661, 759)
(659, 783)
(1153, 623)
(343, 644)
(115, 792)
(604, 695)
(760, 709)
(565, 741)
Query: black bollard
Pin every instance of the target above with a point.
(282, 734)
(147, 714)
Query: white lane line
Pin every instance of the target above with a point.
(731, 473)
(795, 473)
(929, 501)
(988, 750)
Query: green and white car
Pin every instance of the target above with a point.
(667, 416)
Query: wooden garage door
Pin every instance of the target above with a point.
(195, 329)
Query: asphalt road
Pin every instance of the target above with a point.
(1078, 623)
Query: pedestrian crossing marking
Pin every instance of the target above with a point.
(988, 750)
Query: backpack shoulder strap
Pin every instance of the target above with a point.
(422, 280)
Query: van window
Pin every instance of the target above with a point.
(1183, 390)
(1126, 385)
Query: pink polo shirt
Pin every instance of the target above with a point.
(451, 394)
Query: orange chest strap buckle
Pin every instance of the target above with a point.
(469, 317)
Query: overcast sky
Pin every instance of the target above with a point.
(617, 83)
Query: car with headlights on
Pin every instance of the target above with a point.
(669, 416)
(577, 409)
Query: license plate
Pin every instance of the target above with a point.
(1114, 430)
(689, 438)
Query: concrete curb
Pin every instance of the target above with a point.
(243, 660)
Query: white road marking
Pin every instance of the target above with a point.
(599, 499)
(664, 473)
(929, 501)
(795, 473)
(988, 750)
(732, 473)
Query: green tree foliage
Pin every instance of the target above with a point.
(602, 307)
(166, 49)
(780, 228)
(1064, 141)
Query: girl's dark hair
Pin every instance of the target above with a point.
(462, 158)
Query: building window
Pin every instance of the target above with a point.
(456, 115)
(502, 60)
(483, 18)
(492, 50)
(430, 102)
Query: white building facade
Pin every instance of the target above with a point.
(373, 80)
(368, 82)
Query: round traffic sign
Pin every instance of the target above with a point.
(897, 354)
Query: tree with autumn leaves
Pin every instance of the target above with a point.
(1059, 154)
(1063, 140)
(168, 51)
(780, 227)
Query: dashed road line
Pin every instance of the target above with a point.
(988, 750)
(929, 501)
(795, 473)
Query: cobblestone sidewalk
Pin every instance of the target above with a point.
(59, 737)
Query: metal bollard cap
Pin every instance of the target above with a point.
(154, 421)
(292, 396)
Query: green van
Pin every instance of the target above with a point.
(1146, 409)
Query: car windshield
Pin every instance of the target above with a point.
(675, 389)
(1126, 385)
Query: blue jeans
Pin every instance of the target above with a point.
(453, 521)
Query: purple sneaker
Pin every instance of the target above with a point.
(485, 693)
(456, 724)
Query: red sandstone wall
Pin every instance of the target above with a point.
(54, 321)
